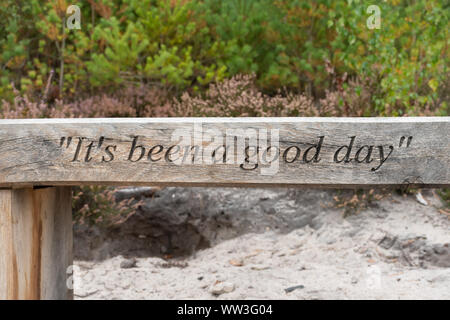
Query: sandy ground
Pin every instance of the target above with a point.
(397, 250)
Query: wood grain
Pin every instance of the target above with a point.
(35, 243)
(416, 151)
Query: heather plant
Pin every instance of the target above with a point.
(98, 205)
(142, 101)
(240, 96)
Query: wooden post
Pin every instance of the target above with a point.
(35, 243)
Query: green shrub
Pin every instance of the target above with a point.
(159, 41)
(253, 32)
(308, 46)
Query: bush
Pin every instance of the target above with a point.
(311, 47)
(155, 42)
(98, 205)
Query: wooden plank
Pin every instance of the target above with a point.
(313, 152)
(35, 243)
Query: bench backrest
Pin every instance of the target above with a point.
(316, 152)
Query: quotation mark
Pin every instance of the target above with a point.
(63, 139)
(402, 139)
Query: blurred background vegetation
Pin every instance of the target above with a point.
(318, 48)
(224, 58)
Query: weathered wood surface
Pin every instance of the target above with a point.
(311, 152)
(35, 243)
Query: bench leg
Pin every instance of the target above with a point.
(35, 243)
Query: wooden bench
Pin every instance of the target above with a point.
(41, 159)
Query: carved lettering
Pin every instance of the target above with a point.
(133, 149)
(256, 153)
(317, 147)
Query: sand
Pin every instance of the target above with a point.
(398, 249)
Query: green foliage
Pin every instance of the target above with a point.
(311, 46)
(408, 56)
(33, 45)
(158, 41)
(253, 32)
